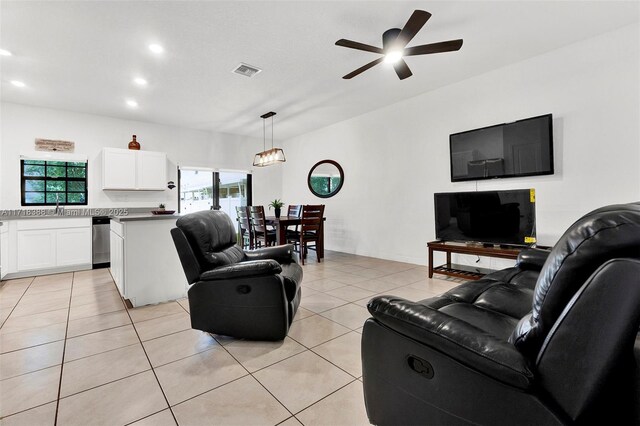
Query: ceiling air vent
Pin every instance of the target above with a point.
(246, 70)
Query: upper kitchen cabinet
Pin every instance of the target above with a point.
(124, 169)
(118, 169)
(151, 170)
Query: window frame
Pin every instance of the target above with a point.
(45, 178)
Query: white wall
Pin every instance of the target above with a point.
(395, 158)
(21, 125)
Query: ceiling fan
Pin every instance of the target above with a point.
(394, 42)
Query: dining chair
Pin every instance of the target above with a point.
(244, 219)
(294, 210)
(259, 225)
(292, 232)
(310, 227)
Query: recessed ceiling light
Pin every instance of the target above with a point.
(5, 53)
(18, 83)
(140, 81)
(131, 103)
(156, 48)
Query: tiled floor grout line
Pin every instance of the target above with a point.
(184, 357)
(106, 383)
(32, 371)
(91, 316)
(145, 417)
(110, 350)
(98, 331)
(32, 346)
(104, 352)
(314, 352)
(275, 362)
(26, 409)
(155, 318)
(64, 349)
(287, 419)
(207, 391)
(40, 312)
(256, 379)
(323, 398)
(149, 361)
(19, 299)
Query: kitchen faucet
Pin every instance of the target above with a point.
(59, 210)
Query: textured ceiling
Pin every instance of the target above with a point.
(83, 55)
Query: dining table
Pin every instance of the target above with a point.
(283, 222)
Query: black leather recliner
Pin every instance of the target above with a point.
(252, 295)
(550, 341)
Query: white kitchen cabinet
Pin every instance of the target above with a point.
(144, 261)
(73, 246)
(116, 246)
(36, 249)
(117, 259)
(124, 169)
(118, 169)
(44, 246)
(4, 250)
(151, 169)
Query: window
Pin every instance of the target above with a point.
(46, 182)
(324, 184)
(204, 189)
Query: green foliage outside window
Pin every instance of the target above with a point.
(324, 184)
(320, 184)
(53, 182)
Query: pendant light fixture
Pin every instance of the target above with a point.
(273, 155)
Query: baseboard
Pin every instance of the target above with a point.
(418, 261)
(47, 271)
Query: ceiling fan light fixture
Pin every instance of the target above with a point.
(393, 56)
(268, 157)
(394, 46)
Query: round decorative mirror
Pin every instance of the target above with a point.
(325, 178)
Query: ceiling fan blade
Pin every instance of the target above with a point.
(443, 46)
(414, 24)
(360, 46)
(402, 69)
(363, 68)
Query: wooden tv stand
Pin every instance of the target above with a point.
(463, 271)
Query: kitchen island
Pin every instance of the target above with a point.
(144, 261)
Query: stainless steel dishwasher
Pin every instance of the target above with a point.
(101, 255)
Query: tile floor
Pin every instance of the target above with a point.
(72, 354)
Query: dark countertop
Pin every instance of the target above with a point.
(144, 216)
(118, 213)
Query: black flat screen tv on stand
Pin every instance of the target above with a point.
(521, 148)
(506, 218)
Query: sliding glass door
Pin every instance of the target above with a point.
(196, 190)
(234, 190)
(205, 189)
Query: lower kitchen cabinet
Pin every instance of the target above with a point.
(73, 246)
(4, 250)
(44, 246)
(116, 246)
(144, 261)
(36, 249)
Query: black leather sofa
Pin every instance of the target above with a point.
(552, 340)
(252, 295)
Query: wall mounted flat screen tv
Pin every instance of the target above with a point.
(521, 148)
(491, 217)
